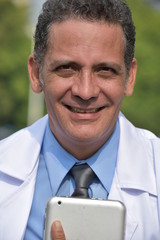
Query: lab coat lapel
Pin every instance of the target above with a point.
(118, 195)
(19, 152)
(134, 153)
(19, 175)
(18, 209)
(156, 144)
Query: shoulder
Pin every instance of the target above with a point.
(142, 133)
(19, 152)
(138, 149)
(33, 133)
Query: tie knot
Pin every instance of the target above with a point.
(83, 176)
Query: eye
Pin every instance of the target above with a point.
(65, 70)
(106, 71)
(63, 67)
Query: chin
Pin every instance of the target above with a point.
(85, 137)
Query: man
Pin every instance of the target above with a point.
(84, 63)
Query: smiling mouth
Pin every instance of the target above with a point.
(80, 110)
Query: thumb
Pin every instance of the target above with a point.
(57, 232)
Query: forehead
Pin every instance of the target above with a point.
(80, 37)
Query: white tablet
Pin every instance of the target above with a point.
(86, 219)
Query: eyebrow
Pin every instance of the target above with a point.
(113, 65)
(58, 63)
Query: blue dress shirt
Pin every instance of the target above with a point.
(52, 179)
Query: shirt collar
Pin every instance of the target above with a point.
(59, 161)
(103, 162)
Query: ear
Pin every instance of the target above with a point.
(33, 70)
(131, 79)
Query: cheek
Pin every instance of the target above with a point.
(53, 99)
(52, 93)
(114, 92)
(57, 87)
(50, 99)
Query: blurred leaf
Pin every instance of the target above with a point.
(143, 108)
(14, 50)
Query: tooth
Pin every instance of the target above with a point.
(84, 111)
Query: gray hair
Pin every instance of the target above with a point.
(109, 11)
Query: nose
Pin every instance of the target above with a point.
(85, 86)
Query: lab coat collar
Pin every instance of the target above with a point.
(134, 171)
(130, 155)
(20, 163)
(127, 175)
(135, 159)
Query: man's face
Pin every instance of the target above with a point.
(84, 77)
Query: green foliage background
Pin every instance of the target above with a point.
(143, 108)
(14, 49)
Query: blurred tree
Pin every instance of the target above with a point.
(143, 108)
(14, 49)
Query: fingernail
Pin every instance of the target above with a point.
(58, 225)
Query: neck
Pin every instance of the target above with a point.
(82, 150)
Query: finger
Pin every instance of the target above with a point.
(57, 231)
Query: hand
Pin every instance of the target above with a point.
(57, 232)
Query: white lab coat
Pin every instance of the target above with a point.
(134, 182)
